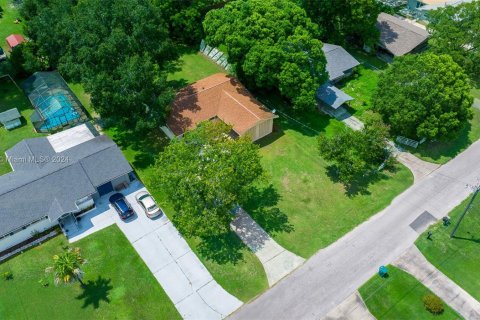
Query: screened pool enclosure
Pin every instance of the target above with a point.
(56, 106)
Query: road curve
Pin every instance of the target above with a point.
(334, 273)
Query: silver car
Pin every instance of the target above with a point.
(146, 201)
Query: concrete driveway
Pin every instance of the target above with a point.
(181, 274)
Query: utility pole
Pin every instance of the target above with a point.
(470, 203)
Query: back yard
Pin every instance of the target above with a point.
(118, 284)
(399, 297)
(12, 97)
(457, 257)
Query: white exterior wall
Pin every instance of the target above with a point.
(22, 235)
(261, 130)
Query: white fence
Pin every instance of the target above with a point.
(215, 55)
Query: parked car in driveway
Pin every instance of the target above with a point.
(124, 209)
(148, 204)
(3, 56)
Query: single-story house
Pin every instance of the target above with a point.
(55, 178)
(14, 40)
(340, 63)
(332, 96)
(399, 37)
(219, 97)
(11, 119)
(427, 5)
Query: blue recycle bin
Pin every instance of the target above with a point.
(382, 271)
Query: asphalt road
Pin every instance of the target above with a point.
(334, 273)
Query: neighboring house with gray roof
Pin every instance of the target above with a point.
(340, 63)
(11, 119)
(399, 37)
(46, 186)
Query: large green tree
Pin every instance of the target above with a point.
(206, 174)
(356, 154)
(424, 96)
(273, 45)
(119, 50)
(456, 31)
(185, 17)
(345, 20)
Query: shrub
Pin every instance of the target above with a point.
(433, 304)
(7, 275)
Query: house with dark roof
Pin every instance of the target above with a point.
(57, 177)
(399, 37)
(11, 119)
(340, 63)
(219, 97)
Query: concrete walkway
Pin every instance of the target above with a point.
(341, 114)
(413, 262)
(337, 271)
(276, 260)
(353, 308)
(187, 282)
(420, 169)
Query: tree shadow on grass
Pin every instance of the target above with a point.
(360, 185)
(146, 144)
(446, 148)
(226, 248)
(94, 292)
(262, 207)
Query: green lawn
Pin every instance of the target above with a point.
(399, 297)
(83, 97)
(118, 284)
(304, 209)
(361, 86)
(443, 151)
(229, 261)
(458, 258)
(192, 67)
(12, 97)
(7, 25)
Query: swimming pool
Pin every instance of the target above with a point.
(57, 110)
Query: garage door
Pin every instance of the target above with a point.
(105, 188)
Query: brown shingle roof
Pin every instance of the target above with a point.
(219, 96)
(398, 36)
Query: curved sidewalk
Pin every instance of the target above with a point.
(413, 262)
(334, 273)
(276, 260)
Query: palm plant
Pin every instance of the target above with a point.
(66, 267)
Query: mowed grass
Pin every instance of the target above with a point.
(7, 21)
(192, 67)
(399, 297)
(12, 97)
(458, 258)
(304, 208)
(118, 284)
(443, 151)
(361, 86)
(229, 261)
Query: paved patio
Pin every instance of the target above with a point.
(178, 270)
